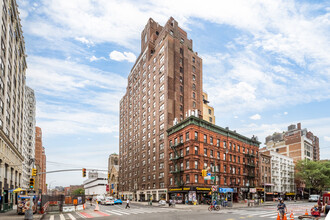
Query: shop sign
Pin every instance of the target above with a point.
(269, 193)
(253, 190)
(290, 194)
(260, 189)
(203, 189)
(179, 189)
(245, 189)
(226, 190)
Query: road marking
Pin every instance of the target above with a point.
(51, 217)
(125, 213)
(101, 213)
(111, 212)
(71, 216)
(62, 217)
(80, 215)
(86, 215)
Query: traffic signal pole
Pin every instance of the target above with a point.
(29, 212)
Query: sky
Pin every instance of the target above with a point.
(266, 65)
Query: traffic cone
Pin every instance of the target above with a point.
(278, 216)
(97, 208)
(306, 213)
(291, 216)
(284, 217)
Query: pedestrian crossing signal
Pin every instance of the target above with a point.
(34, 172)
(84, 172)
(31, 185)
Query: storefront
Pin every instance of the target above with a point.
(179, 195)
(204, 195)
(289, 196)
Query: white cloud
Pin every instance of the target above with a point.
(119, 56)
(285, 113)
(84, 41)
(327, 138)
(94, 58)
(235, 116)
(255, 117)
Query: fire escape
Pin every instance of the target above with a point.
(178, 170)
(250, 168)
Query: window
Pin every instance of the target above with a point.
(181, 40)
(196, 135)
(218, 155)
(181, 51)
(187, 136)
(193, 77)
(205, 152)
(187, 150)
(196, 164)
(218, 142)
(224, 156)
(187, 164)
(162, 59)
(211, 140)
(211, 153)
(205, 138)
(194, 69)
(224, 168)
(161, 98)
(187, 178)
(194, 104)
(196, 178)
(161, 88)
(193, 95)
(181, 69)
(162, 79)
(161, 127)
(194, 87)
(210, 111)
(161, 49)
(171, 181)
(161, 156)
(210, 119)
(161, 69)
(224, 144)
(196, 150)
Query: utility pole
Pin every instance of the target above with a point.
(29, 212)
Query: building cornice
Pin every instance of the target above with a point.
(193, 120)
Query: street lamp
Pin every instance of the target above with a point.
(265, 187)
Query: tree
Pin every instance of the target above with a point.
(79, 191)
(315, 174)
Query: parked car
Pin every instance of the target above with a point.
(313, 198)
(108, 201)
(162, 202)
(118, 201)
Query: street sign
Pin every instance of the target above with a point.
(214, 188)
(207, 177)
(31, 194)
(212, 177)
(209, 174)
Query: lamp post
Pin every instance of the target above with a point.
(265, 177)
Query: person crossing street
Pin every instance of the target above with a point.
(127, 204)
(281, 207)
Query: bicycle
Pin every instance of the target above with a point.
(215, 208)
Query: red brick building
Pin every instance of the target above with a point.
(40, 163)
(164, 84)
(195, 145)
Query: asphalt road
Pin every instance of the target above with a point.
(137, 212)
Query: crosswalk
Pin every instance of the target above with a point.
(270, 214)
(106, 212)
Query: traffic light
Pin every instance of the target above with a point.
(108, 175)
(84, 172)
(31, 185)
(204, 173)
(34, 172)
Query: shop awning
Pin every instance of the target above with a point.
(15, 190)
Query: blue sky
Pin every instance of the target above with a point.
(266, 65)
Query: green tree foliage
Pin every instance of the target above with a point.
(315, 174)
(79, 191)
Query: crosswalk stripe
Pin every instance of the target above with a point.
(62, 217)
(71, 216)
(111, 212)
(269, 214)
(80, 215)
(51, 217)
(125, 213)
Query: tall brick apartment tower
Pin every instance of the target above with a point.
(164, 86)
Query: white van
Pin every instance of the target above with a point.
(313, 198)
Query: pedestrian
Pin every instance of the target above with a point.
(127, 204)
(281, 207)
(319, 204)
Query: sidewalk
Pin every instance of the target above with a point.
(11, 215)
(202, 206)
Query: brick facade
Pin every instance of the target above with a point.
(196, 144)
(164, 84)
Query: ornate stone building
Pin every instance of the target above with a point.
(12, 85)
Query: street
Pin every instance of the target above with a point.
(138, 211)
